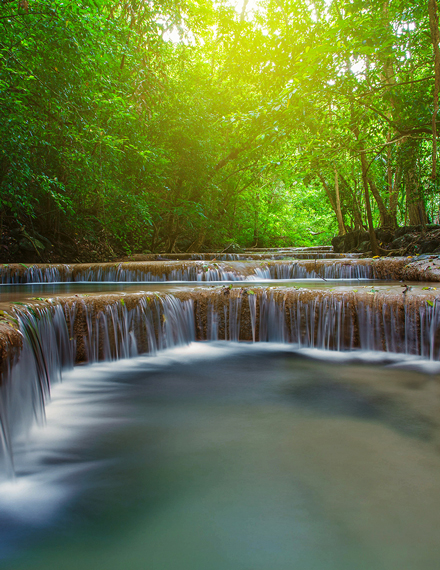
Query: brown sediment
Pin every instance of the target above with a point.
(316, 254)
(11, 342)
(425, 269)
(407, 268)
(389, 268)
(291, 249)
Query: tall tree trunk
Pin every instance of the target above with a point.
(395, 192)
(389, 79)
(338, 206)
(386, 220)
(364, 170)
(355, 209)
(414, 200)
(327, 191)
(256, 221)
(373, 240)
(435, 38)
(389, 167)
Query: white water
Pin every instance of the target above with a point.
(164, 321)
(197, 272)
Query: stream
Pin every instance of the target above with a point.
(228, 457)
(173, 415)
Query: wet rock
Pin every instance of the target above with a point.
(429, 245)
(11, 342)
(233, 248)
(401, 241)
(349, 242)
(364, 246)
(406, 230)
(26, 245)
(407, 239)
(44, 241)
(384, 235)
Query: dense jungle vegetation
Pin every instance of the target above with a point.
(184, 125)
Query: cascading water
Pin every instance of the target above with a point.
(338, 270)
(57, 335)
(50, 346)
(15, 274)
(213, 427)
(47, 350)
(201, 271)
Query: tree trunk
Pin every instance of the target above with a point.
(327, 191)
(256, 221)
(198, 242)
(386, 220)
(433, 25)
(355, 209)
(414, 199)
(395, 192)
(338, 206)
(373, 240)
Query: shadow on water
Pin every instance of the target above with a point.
(228, 457)
(325, 394)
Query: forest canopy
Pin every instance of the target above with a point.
(185, 125)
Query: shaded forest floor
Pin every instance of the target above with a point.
(21, 245)
(25, 245)
(406, 240)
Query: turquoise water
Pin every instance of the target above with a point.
(229, 457)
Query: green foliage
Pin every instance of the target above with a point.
(181, 125)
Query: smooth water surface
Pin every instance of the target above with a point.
(29, 291)
(221, 456)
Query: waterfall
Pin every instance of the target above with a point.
(25, 389)
(58, 334)
(21, 273)
(51, 345)
(196, 270)
(307, 270)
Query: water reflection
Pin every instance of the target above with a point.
(27, 291)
